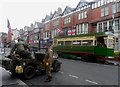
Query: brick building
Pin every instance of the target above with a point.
(98, 16)
(86, 17)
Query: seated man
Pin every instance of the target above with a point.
(22, 49)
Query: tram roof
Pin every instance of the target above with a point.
(83, 35)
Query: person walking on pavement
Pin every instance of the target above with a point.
(48, 59)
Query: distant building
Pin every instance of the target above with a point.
(16, 34)
(3, 39)
(34, 34)
(0, 39)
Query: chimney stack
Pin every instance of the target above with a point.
(59, 10)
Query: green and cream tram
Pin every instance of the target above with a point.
(89, 47)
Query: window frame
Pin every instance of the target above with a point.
(102, 12)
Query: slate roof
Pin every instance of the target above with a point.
(67, 10)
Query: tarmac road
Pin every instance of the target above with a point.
(74, 72)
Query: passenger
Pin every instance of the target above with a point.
(104, 45)
(99, 44)
(21, 49)
(48, 59)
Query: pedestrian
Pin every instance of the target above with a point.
(48, 59)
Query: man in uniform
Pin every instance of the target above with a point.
(48, 59)
(22, 49)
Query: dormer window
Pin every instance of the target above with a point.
(96, 5)
(93, 6)
(85, 7)
(82, 8)
(99, 3)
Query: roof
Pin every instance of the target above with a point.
(83, 35)
(56, 14)
(67, 10)
(81, 4)
(47, 18)
(39, 25)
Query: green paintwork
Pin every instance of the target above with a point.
(98, 51)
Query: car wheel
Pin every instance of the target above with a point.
(56, 66)
(29, 72)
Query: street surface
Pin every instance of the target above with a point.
(74, 72)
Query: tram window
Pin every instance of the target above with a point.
(116, 39)
(68, 43)
(110, 43)
(101, 42)
(55, 42)
(95, 42)
(60, 43)
(76, 43)
(87, 43)
(105, 41)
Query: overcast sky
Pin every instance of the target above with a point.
(24, 12)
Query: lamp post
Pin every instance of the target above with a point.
(39, 39)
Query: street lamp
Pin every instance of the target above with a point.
(39, 39)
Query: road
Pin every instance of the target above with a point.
(74, 72)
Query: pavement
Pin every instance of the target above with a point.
(7, 80)
(5, 76)
(114, 62)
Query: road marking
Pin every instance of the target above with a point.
(74, 76)
(91, 81)
(105, 65)
(61, 72)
